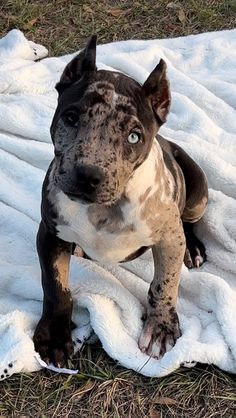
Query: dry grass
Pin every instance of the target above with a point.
(63, 25)
(104, 389)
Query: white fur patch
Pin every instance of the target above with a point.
(143, 177)
(114, 98)
(100, 245)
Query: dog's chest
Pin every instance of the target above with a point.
(105, 234)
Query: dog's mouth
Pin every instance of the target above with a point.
(86, 200)
(83, 198)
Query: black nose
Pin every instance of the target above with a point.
(88, 178)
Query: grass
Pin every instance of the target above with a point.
(64, 25)
(102, 388)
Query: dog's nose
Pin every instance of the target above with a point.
(89, 178)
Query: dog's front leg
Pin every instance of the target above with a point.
(52, 337)
(161, 328)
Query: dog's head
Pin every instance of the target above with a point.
(104, 126)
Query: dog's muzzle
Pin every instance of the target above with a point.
(87, 183)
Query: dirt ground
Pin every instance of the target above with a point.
(102, 388)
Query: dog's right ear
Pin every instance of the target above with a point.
(84, 62)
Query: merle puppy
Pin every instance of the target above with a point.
(115, 188)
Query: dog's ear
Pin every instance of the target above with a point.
(157, 89)
(84, 62)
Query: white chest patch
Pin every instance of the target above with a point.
(108, 245)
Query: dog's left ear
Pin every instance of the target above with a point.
(157, 89)
(84, 62)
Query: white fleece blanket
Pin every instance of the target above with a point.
(110, 300)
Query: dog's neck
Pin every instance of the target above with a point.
(150, 176)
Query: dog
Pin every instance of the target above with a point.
(116, 188)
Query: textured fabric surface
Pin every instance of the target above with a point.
(110, 300)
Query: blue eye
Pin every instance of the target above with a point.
(134, 137)
(71, 117)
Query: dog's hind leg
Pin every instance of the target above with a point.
(196, 202)
(195, 253)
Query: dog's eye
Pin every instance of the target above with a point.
(71, 117)
(134, 137)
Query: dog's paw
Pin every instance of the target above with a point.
(159, 335)
(52, 340)
(195, 253)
